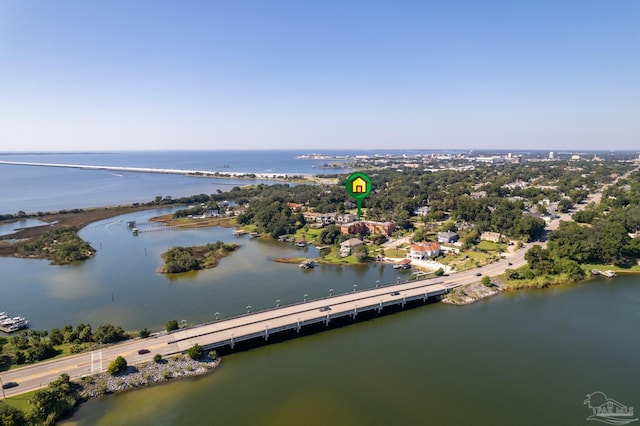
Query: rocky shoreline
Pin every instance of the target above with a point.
(471, 293)
(146, 374)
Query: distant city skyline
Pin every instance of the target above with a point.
(109, 76)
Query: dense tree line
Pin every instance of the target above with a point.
(31, 346)
(272, 215)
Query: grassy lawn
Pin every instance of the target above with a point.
(334, 259)
(490, 246)
(309, 235)
(466, 260)
(395, 253)
(21, 402)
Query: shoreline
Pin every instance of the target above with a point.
(146, 374)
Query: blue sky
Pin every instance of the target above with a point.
(113, 75)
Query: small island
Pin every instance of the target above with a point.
(184, 259)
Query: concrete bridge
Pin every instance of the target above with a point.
(265, 324)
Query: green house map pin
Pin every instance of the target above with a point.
(358, 186)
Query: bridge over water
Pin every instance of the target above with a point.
(257, 328)
(267, 323)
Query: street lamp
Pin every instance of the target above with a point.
(355, 286)
(217, 314)
(397, 280)
(277, 303)
(305, 297)
(330, 292)
(377, 283)
(248, 308)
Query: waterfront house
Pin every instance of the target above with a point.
(346, 247)
(423, 250)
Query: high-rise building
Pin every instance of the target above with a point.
(551, 155)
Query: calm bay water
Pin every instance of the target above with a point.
(529, 359)
(524, 358)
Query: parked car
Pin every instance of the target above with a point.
(143, 351)
(325, 309)
(9, 385)
(395, 293)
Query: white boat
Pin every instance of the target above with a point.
(9, 325)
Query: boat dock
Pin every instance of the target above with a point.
(607, 273)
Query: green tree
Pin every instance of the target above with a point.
(171, 325)
(329, 234)
(486, 281)
(117, 365)
(108, 333)
(56, 337)
(360, 253)
(144, 333)
(50, 404)
(180, 259)
(157, 358)
(11, 416)
(195, 352)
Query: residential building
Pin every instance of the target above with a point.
(385, 228)
(447, 237)
(346, 247)
(423, 250)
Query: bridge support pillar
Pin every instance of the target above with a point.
(380, 307)
(232, 342)
(326, 321)
(298, 327)
(355, 311)
(404, 301)
(266, 333)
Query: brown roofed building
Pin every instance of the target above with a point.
(385, 228)
(423, 250)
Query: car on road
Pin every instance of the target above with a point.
(395, 293)
(509, 263)
(325, 309)
(143, 351)
(478, 274)
(9, 385)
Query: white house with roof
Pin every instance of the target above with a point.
(423, 250)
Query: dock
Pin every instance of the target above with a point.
(608, 273)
